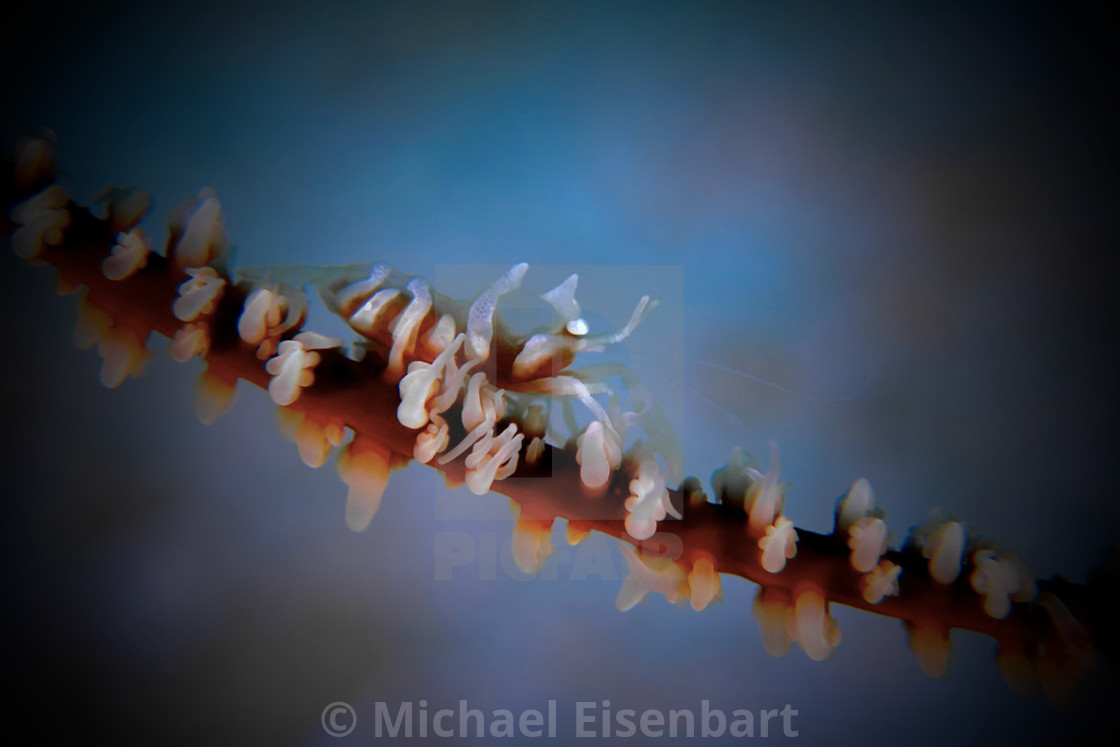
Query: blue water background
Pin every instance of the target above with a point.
(898, 218)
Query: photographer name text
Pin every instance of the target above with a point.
(587, 719)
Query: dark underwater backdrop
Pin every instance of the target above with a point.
(902, 218)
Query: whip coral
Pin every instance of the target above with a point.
(447, 383)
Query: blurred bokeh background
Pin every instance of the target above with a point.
(903, 219)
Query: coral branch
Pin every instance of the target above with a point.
(932, 584)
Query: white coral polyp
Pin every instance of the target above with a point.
(816, 630)
(563, 299)
(199, 295)
(441, 335)
(264, 309)
(291, 370)
(867, 539)
(480, 318)
(267, 314)
(426, 391)
(452, 382)
(200, 229)
(424, 381)
(857, 503)
(406, 327)
(42, 221)
(190, 340)
(773, 611)
(534, 451)
(766, 495)
(215, 396)
(315, 439)
(124, 355)
(542, 356)
(657, 576)
(930, 643)
(703, 584)
(293, 367)
(364, 467)
(483, 402)
(649, 500)
(432, 440)
(345, 300)
(367, 319)
(124, 206)
(945, 550)
(417, 387)
(531, 545)
(493, 458)
(1001, 579)
(881, 582)
(598, 451)
(777, 545)
(129, 255)
(122, 348)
